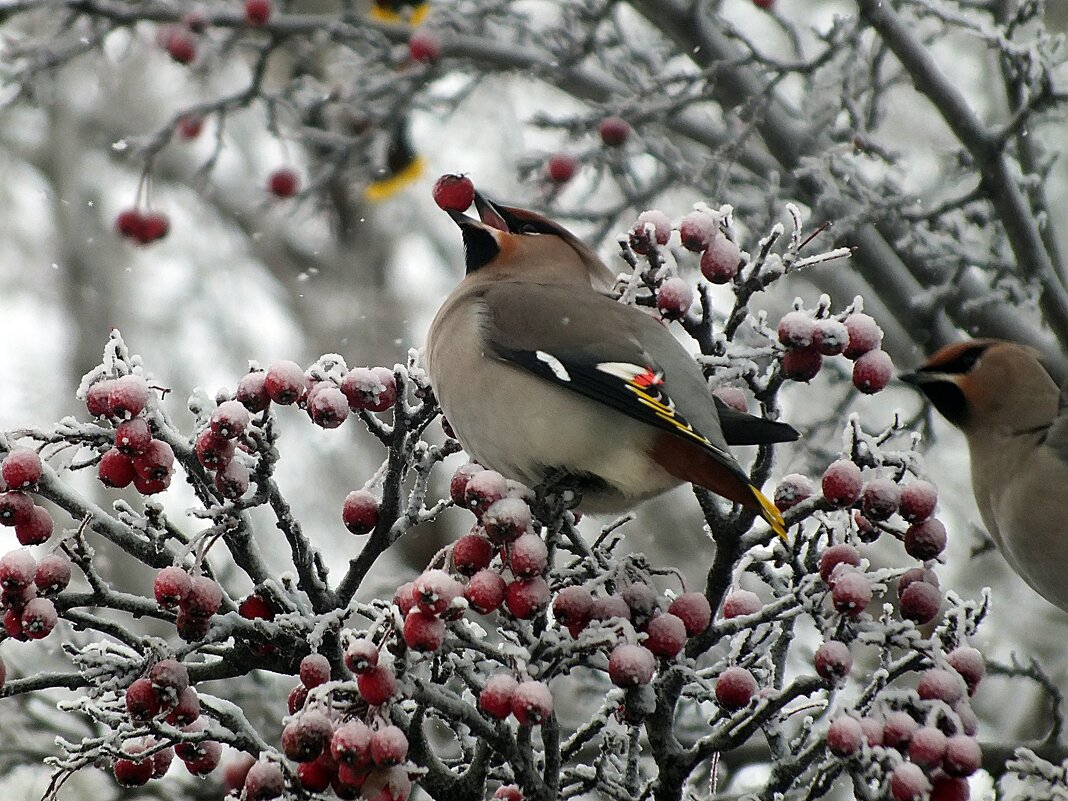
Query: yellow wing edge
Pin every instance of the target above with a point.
(387, 187)
(414, 18)
(770, 513)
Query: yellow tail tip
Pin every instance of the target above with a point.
(414, 17)
(770, 512)
(387, 187)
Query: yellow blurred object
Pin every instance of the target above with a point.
(400, 13)
(389, 186)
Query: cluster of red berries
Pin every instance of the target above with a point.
(934, 737)
(27, 587)
(143, 227)
(216, 448)
(165, 693)
(197, 599)
(20, 472)
(856, 336)
(136, 457)
(614, 131)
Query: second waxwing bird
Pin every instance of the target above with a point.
(544, 376)
(1014, 419)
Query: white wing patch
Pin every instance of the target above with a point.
(553, 364)
(623, 370)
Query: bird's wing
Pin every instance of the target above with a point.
(740, 428)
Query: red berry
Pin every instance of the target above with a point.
(528, 556)
(370, 388)
(155, 225)
(842, 483)
(665, 636)
(735, 688)
(614, 131)
(133, 772)
(36, 529)
(180, 44)
(155, 462)
(315, 776)
(508, 792)
(472, 553)
(361, 655)
(305, 737)
(39, 617)
(133, 436)
(257, 13)
(17, 569)
(631, 665)
(459, 481)
(212, 450)
(920, 602)
(643, 601)
(526, 597)
(741, 602)
(21, 469)
(264, 780)
(610, 607)
(435, 590)
(925, 540)
(283, 182)
(733, 397)
(204, 597)
(192, 627)
(968, 662)
(674, 298)
(693, 609)
(792, 490)
(764, 4)
(918, 501)
(962, 756)
(15, 508)
(495, 699)
(232, 480)
(532, 703)
(171, 586)
(360, 512)
(561, 168)
(845, 736)
(423, 46)
(142, 703)
(721, 261)
(296, 699)
(236, 771)
(485, 591)
(190, 126)
(908, 782)
(872, 371)
(915, 574)
(186, 708)
(833, 660)
(572, 607)
(53, 574)
(942, 685)
(327, 405)
(351, 743)
(405, 598)
(377, 685)
(314, 670)
(13, 625)
(284, 382)
(230, 419)
(864, 335)
(830, 337)
(927, 746)
(651, 226)
(454, 192)
(255, 607)
(506, 519)
(880, 499)
(834, 556)
(115, 469)
(802, 364)
(948, 788)
(898, 728)
(389, 746)
(252, 391)
(797, 330)
(169, 679)
(851, 593)
(486, 488)
(423, 631)
(697, 230)
(128, 223)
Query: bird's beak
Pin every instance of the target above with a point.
(490, 214)
(912, 378)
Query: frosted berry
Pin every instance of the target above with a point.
(315, 776)
(21, 469)
(53, 574)
(15, 507)
(610, 607)
(423, 46)
(351, 743)
(571, 608)
(423, 631)
(314, 670)
(155, 225)
(213, 451)
(873, 730)
(942, 685)
(453, 192)
(735, 688)
(614, 131)
(296, 699)
(361, 655)
(17, 569)
(257, 13)
(128, 396)
(665, 636)
(792, 490)
(459, 481)
(967, 661)
(169, 678)
(836, 555)
(230, 419)
(721, 261)
(155, 462)
(232, 480)
(387, 784)
(962, 756)
(377, 685)
(651, 226)
(915, 574)
(284, 382)
(697, 230)
(132, 772)
(13, 625)
(389, 746)
(918, 501)
(142, 703)
(252, 391)
(186, 708)
(370, 388)
(880, 499)
(495, 699)
(133, 436)
(948, 788)
(830, 337)
(283, 182)
(845, 737)
(898, 728)
(255, 607)
(528, 556)
(532, 703)
(435, 590)
(506, 519)
(472, 553)
(264, 779)
(360, 512)
(39, 617)
(36, 529)
(851, 593)
(192, 627)
(927, 746)
(741, 602)
(405, 597)
(872, 371)
(674, 298)
(643, 601)
(171, 586)
(833, 660)
(204, 597)
(631, 665)
(864, 335)
(733, 397)
(561, 168)
(920, 602)
(485, 591)
(802, 364)
(842, 483)
(926, 539)
(484, 489)
(796, 330)
(189, 127)
(526, 597)
(693, 609)
(508, 792)
(305, 737)
(908, 782)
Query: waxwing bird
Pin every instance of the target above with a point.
(1012, 413)
(544, 376)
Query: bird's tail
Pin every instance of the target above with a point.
(770, 513)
